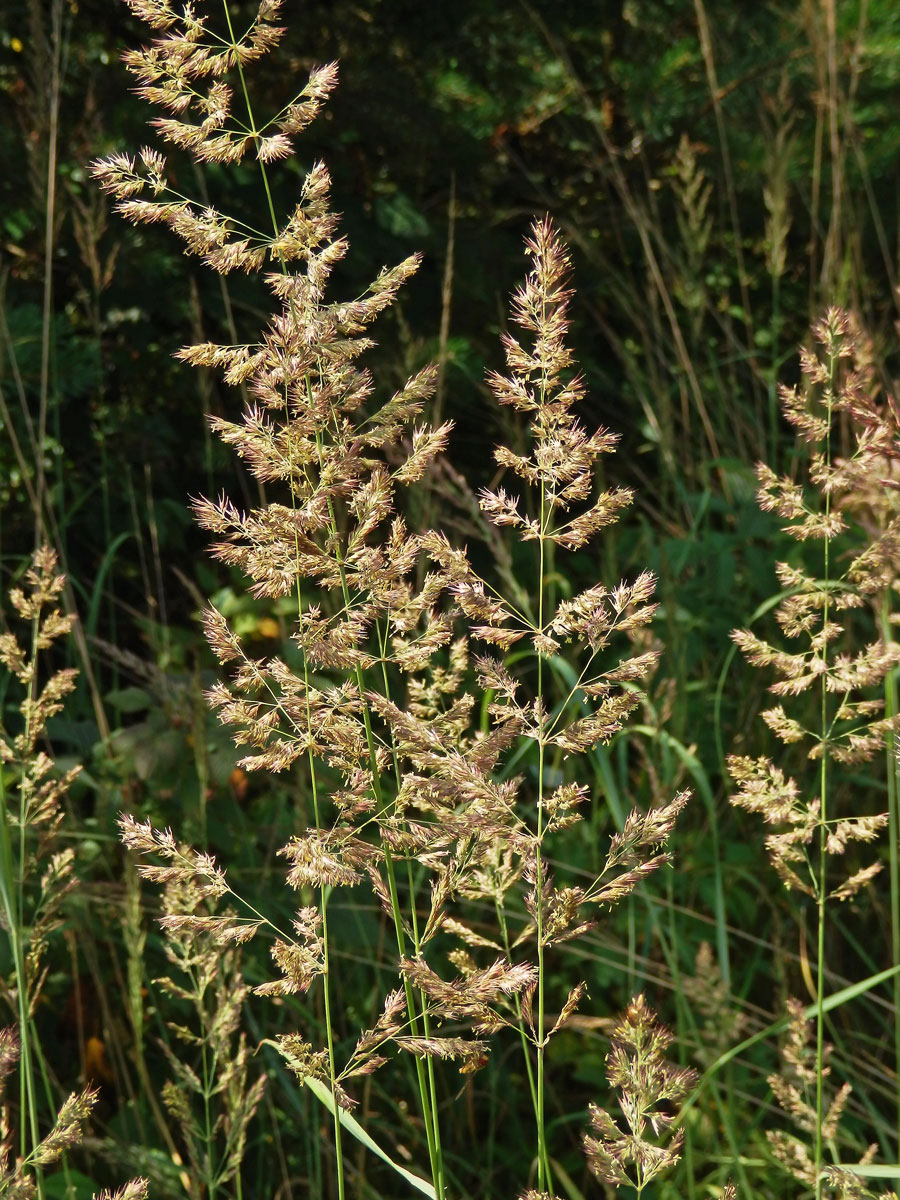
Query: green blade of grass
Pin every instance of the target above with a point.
(871, 1170)
(565, 1181)
(835, 1000)
(701, 782)
(353, 1127)
(96, 595)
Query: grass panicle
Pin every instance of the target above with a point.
(637, 1066)
(846, 724)
(378, 696)
(37, 875)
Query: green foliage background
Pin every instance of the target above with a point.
(455, 125)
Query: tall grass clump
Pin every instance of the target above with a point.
(438, 777)
(36, 876)
(831, 702)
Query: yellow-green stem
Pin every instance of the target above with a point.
(12, 896)
(424, 1075)
(544, 1183)
(438, 1161)
(823, 818)
(208, 1084)
(520, 1024)
(890, 711)
(323, 905)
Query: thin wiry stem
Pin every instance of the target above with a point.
(424, 1071)
(822, 882)
(430, 1102)
(13, 919)
(323, 901)
(526, 1048)
(208, 1081)
(891, 747)
(544, 1180)
(49, 246)
(27, 1082)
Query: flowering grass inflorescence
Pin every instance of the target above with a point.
(37, 874)
(377, 703)
(847, 723)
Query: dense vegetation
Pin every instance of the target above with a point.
(478, 764)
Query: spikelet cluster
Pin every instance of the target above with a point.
(555, 504)
(186, 71)
(211, 1068)
(793, 1088)
(647, 1083)
(33, 796)
(710, 997)
(816, 608)
(335, 539)
(561, 472)
(17, 1180)
(34, 792)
